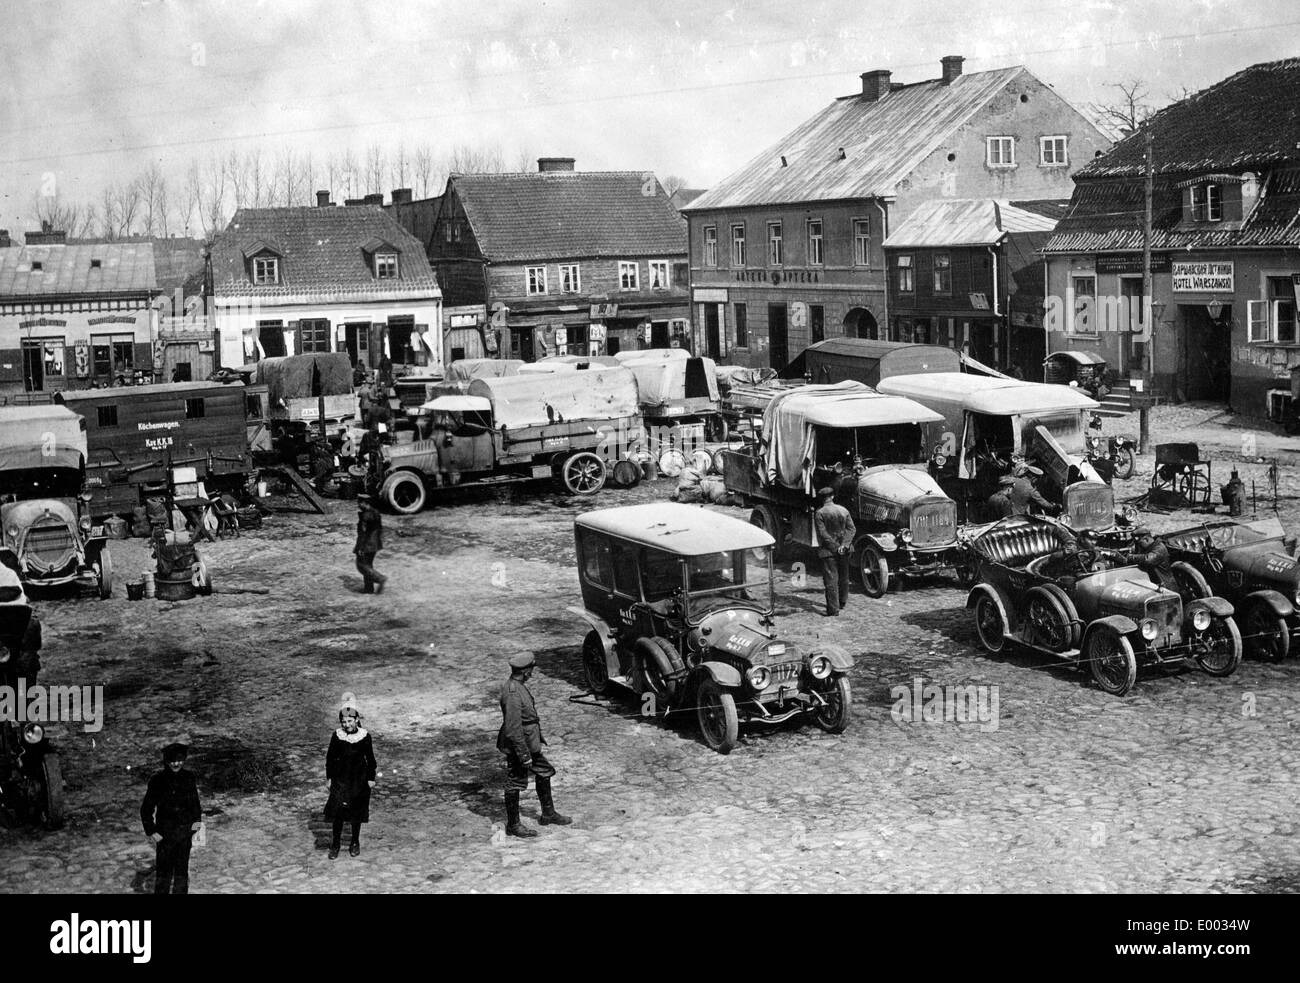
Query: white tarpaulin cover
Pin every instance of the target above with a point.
(661, 374)
(789, 437)
(558, 397)
(41, 437)
(481, 368)
(457, 404)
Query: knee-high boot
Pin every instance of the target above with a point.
(549, 816)
(514, 825)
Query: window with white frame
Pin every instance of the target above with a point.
(536, 280)
(906, 284)
(710, 245)
(266, 270)
(942, 273)
(570, 279)
(775, 252)
(629, 277)
(1052, 151)
(1083, 305)
(658, 272)
(738, 245)
(1274, 319)
(1207, 202)
(1001, 152)
(861, 242)
(815, 255)
(385, 266)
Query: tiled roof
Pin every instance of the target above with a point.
(882, 141)
(417, 217)
(1249, 120)
(124, 267)
(1106, 216)
(965, 222)
(323, 255)
(562, 214)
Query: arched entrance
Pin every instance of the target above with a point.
(860, 323)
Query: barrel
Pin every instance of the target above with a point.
(175, 586)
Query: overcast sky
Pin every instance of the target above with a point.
(92, 92)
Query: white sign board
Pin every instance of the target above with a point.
(1202, 278)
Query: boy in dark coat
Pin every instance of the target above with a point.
(171, 816)
(370, 540)
(351, 769)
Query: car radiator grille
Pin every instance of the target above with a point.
(1167, 613)
(49, 548)
(934, 525)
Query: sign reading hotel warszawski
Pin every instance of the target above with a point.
(1202, 278)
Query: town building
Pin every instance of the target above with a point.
(285, 281)
(74, 316)
(965, 273)
(564, 261)
(1225, 238)
(788, 250)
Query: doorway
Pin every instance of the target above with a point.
(521, 344)
(34, 366)
(1205, 359)
(712, 334)
(778, 336)
(356, 339)
(860, 323)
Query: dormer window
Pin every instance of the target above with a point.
(385, 266)
(37, 266)
(96, 264)
(266, 271)
(1207, 202)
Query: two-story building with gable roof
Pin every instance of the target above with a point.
(565, 261)
(788, 250)
(285, 281)
(1225, 247)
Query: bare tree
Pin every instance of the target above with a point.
(163, 203)
(193, 192)
(398, 167)
(524, 160)
(237, 175)
(152, 185)
(349, 174)
(286, 178)
(261, 188)
(423, 164)
(128, 206)
(673, 183)
(1128, 111)
(61, 215)
(465, 159)
(109, 226)
(374, 172)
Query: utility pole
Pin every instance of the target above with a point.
(1148, 365)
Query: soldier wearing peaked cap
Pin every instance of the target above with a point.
(520, 739)
(171, 816)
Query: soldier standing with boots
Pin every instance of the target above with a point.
(520, 739)
(370, 540)
(835, 532)
(171, 815)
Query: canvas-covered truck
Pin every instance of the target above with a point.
(296, 384)
(135, 435)
(565, 426)
(871, 449)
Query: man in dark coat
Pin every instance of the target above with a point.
(1153, 557)
(835, 532)
(1000, 503)
(1024, 494)
(520, 739)
(370, 540)
(171, 816)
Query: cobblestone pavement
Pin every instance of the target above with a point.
(1187, 784)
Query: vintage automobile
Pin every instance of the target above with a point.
(680, 602)
(870, 448)
(1111, 619)
(1085, 370)
(1248, 563)
(989, 421)
(31, 779)
(1113, 456)
(47, 535)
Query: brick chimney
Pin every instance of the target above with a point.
(951, 67)
(401, 196)
(46, 237)
(548, 164)
(322, 199)
(4, 239)
(875, 84)
(350, 202)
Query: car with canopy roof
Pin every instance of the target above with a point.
(680, 603)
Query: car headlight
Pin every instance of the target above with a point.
(820, 667)
(905, 535)
(1201, 619)
(12, 532)
(1149, 629)
(759, 676)
(1066, 520)
(776, 648)
(85, 524)
(33, 733)
(940, 460)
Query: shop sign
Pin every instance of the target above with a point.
(1202, 278)
(1129, 263)
(705, 295)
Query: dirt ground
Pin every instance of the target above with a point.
(1187, 784)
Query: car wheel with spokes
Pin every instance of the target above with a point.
(874, 569)
(719, 724)
(989, 624)
(594, 666)
(1267, 635)
(1221, 648)
(1191, 582)
(1125, 463)
(1111, 658)
(1049, 625)
(583, 473)
(834, 716)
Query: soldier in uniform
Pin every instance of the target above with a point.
(1153, 557)
(835, 532)
(520, 739)
(1024, 494)
(1000, 505)
(370, 540)
(171, 816)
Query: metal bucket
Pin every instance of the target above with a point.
(134, 590)
(175, 587)
(148, 581)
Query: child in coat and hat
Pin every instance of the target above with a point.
(171, 816)
(350, 767)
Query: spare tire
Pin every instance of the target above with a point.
(404, 492)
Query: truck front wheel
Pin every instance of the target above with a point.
(583, 473)
(404, 492)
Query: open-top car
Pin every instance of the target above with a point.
(1038, 588)
(46, 533)
(1247, 563)
(680, 603)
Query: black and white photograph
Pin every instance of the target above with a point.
(692, 448)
